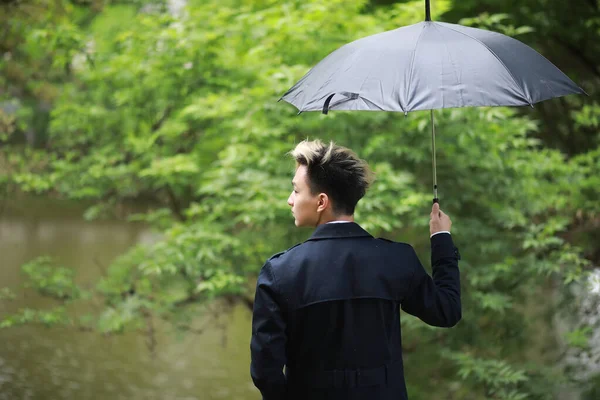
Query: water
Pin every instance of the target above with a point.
(59, 363)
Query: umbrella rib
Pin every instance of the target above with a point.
(332, 74)
(456, 77)
(410, 71)
(497, 58)
(367, 77)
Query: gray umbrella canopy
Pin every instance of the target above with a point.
(429, 65)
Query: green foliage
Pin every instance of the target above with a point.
(181, 112)
(52, 281)
(6, 294)
(592, 391)
(579, 337)
(588, 116)
(219, 283)
(127, 314)
(496, 23)
(54, 317)
(499, 379)
(411, 12)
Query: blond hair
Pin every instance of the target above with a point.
(336, 171)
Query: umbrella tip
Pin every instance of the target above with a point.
(406, 113)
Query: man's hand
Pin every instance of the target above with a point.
(439, 221)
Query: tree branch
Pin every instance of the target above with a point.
(164, 116)
(174, 204)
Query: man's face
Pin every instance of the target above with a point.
(304, 204)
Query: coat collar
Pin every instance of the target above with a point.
(338, 231)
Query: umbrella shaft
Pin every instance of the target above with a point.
(427, 11)
(435, 193)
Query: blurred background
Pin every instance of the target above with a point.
(144, 178)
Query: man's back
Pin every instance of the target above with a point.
(329, 310)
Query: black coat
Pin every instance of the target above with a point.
(328, 310)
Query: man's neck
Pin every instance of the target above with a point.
(338, 218)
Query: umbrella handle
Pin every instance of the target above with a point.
(436, 200)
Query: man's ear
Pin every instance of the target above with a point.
(323, 202)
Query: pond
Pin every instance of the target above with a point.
(37, 362)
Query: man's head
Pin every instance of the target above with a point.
(329, 182)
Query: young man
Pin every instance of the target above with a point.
(329, 309)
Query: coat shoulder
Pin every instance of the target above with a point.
(394, 242)
(277, 255)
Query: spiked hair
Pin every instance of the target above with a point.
(336, 171)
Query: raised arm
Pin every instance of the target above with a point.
(436, 299)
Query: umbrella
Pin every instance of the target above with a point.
(427, 66)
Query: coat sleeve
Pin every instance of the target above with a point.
(436, 300)
(268, 341)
